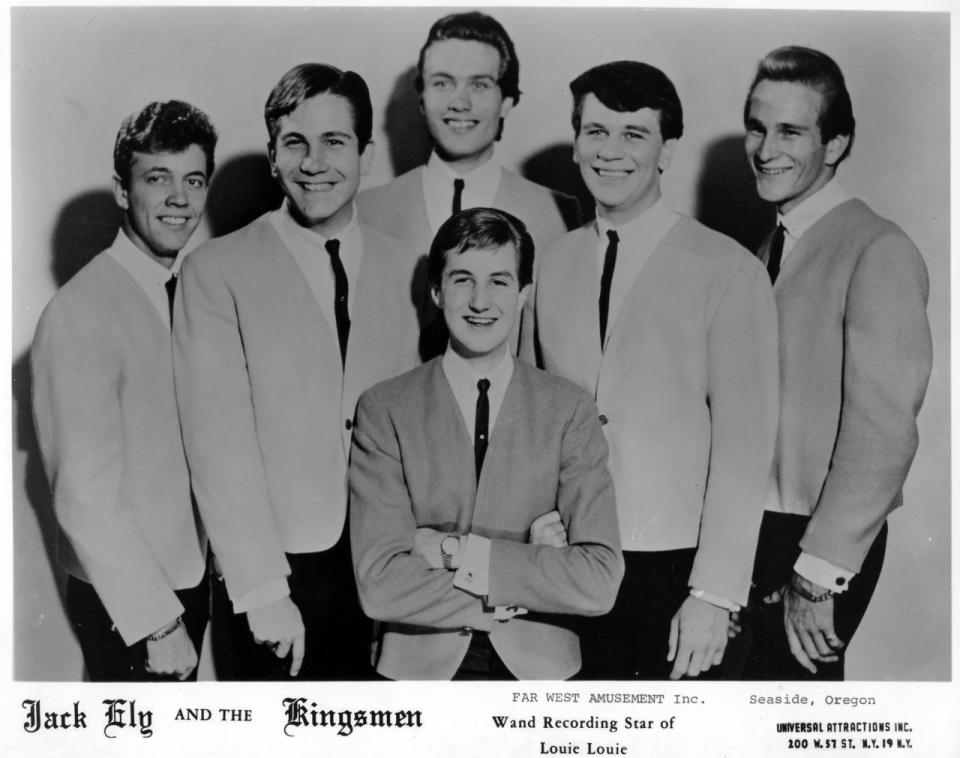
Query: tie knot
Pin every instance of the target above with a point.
(458, 185)
(483, 385)
(613, 236)
(333, 247)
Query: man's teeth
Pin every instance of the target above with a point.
(478, 321)
(315, 187)
(174, 220)
(773, 171)
(611, 173)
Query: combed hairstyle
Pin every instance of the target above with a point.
(804, 65)
(162, 127)
(481, 229)
(627, 86)
(477, 27)
(309, 79)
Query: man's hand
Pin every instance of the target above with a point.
(174, 654)
(735, 627)
(548, 529)
(426, 544)
(698, 637)
(809, 626)
(278, 625)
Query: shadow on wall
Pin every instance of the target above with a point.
(553, 167)
(408, 141)
(86, 225)
(242, 190)
(727, 199)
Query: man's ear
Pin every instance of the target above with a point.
(523, 295)
(666, 154)
(836, 147)
(120, 194)
(505, 106)
(436, 296)
(272, 156)
(366, 157)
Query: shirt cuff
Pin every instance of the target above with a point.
(823, 573)
(261, 595)
(709, 597)
(473, 576)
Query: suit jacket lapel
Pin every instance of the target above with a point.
(577, 298)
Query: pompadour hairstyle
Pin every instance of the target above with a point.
(162, 127)
(308, 79)
(481, 229)
(626, 86)
(477, 27)
(811, 68)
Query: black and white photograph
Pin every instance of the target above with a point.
(536, 380)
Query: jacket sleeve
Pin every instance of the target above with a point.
(582, 578)
(76, 406)
(219, 429)
(394, 583)
(743, 395)
(886, 367)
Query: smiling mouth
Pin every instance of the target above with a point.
(609, 173)
(176, 221)
(460, 124)
(482, 321)
(771, 170)
(316, 186)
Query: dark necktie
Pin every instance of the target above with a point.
(171, 287)
(457, 194)
(776, 253)
(481, 422)
(340, 287)
(609, 262)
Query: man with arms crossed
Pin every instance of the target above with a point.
(855, 356)
(456, 462)
(672, 328)
(468, 79)
(279, 327)
(106, 415)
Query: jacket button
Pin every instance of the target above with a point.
(349, 424)
(603, 420)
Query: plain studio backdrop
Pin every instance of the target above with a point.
(77, 72)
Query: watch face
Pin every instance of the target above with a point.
(450, 545)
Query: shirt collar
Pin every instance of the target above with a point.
(464, 377)
(291, 226)
(483, 180)
(146, 271)
(658, 216)
(811, 210)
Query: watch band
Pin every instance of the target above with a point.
(798, 586)
(447, 555)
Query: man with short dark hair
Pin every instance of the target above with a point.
(468, 82)
(855, 357)
(481, 503)
(279, 328)
(672, 328)
(106, 416)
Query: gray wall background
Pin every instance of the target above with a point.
(77, 72)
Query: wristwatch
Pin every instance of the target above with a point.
(449, 549)
(797, 584)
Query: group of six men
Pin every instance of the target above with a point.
(703, 452)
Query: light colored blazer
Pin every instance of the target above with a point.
(399, 210)
(413, 466)
(687, 385)
(267, 409)
(106, 420)
(855, 358)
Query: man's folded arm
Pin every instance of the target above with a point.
(396, 584)
(582, 578)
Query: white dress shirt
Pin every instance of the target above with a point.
(479, 188)
(150, 275)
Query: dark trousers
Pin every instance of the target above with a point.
(106, 655)
(631, 642)
(482, 663)
(338, 635)
(768, 654)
